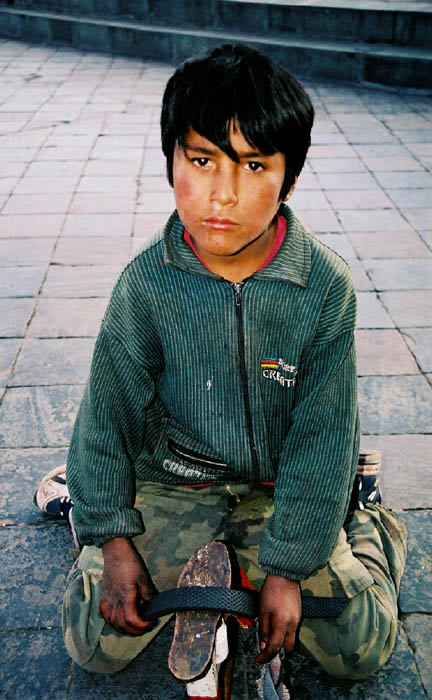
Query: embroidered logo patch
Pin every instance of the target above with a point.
(277, 369)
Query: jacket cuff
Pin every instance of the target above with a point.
(98, 531)
(276, 557)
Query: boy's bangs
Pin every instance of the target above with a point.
(213, 113)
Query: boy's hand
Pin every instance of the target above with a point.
(125, 582)
(279, 616)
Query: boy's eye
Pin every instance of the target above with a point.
(201, 162)
(254, 166)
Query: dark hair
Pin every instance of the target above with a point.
(271, 108)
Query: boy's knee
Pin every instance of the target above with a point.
(359, 641)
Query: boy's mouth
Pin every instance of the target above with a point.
(221, 224)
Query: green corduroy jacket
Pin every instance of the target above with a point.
(197, 380)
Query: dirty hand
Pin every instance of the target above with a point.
(125, 582)
(279, 616)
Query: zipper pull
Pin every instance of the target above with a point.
(237, 286)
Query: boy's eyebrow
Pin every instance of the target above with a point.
(212, 152)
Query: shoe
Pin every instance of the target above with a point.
(52, 495)
(366, 487)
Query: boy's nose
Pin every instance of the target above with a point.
(224, 189)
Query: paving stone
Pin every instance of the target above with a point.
(69, 168)
(389, 163)
(7, 184)
(37, 203)
(100, 204)
(361, 281)
(146, 678)
(401, 274)
(91, 251)
(406, 477)
(383, 352)
(156, 202)
(427, 237)
(409, 308)
(25, 251)
(85, 225)
(373, 220)
(419, 632)
(63, 153)
(336, 165)
(160, 184)
(46, 185)
(39, 416)
(8, 352)
(303, 199)
(411, 198)
(415, 598)
(14, 315)
(114, 185)
(147, 224)
(23, 470)
(399, 180)
(381, 150)
(53, 361)
(306, 181)
(358, 199)
(34, 665)
(105, 167)
(395, 405)
(414, 136)
(12, 169)
(419, 341)
(398, 678)
(32, 579)
(419, 218)
(82, 281)
(371, 313)
(25, 226)
(319, 220)
(68, 319)
(332, 151)
(339, 243)
(18, 155)
(401, 244)
(21, 281)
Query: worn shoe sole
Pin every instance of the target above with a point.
(194, 632)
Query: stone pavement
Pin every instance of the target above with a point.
(81, 185)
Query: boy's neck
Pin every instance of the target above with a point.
(238, 267)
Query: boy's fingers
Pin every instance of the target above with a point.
(264, 630)
(271, 639)
(289, 640)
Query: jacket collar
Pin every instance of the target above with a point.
(292, 262)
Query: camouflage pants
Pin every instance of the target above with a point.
(366, 567)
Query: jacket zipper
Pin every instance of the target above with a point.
(237, 288)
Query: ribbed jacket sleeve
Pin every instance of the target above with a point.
(319, 457)
(109, 428)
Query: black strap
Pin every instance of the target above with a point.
(227, 600)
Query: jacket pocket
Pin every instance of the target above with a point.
(186, 457)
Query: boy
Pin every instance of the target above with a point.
(222, 399)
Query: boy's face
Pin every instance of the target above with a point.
(228, 207)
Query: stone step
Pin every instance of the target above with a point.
(400, 23)
(354, 61)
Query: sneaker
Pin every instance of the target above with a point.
(366, 488)
(52, 495)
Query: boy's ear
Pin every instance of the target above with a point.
(291, 192)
